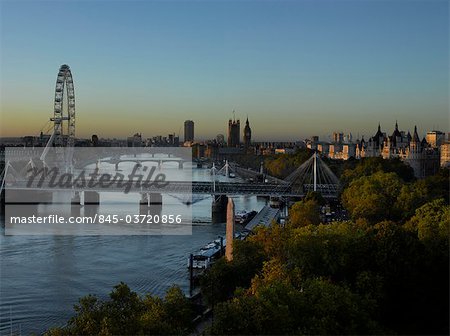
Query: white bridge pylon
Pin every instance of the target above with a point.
(312, 175)
(225, 171)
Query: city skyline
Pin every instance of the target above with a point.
(296, 69)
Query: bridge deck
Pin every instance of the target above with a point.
(175, 187)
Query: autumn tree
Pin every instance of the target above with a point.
(304, 213)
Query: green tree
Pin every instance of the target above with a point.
(438, 185)
(431, 221)
(221, 280)
(170, 316)
(327, 308)
(316, 196)
(123, 310)
(372, 165)
(338, 251)
(318, 308)
(125, 313)
(87, 321)
(304, 213)
(411, 196)
(372, 197)
(271, 240)
(154, 319)
(281, 165)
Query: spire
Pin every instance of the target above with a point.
(379, 127)
(396, 134)
(415, 136)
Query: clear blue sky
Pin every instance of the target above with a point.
(296, 68)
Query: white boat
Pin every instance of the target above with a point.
(206, 255)
(211, 251)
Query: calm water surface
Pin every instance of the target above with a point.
(42, 277)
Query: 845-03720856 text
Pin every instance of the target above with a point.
(101, 219)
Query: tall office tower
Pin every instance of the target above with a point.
(234, 138)
(188, 130)
(247, 134)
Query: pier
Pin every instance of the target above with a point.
(264, 218)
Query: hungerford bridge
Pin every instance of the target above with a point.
(312, 175)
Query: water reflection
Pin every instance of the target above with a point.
(43, 276)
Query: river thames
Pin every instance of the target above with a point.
(42, 277)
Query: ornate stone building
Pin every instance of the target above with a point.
(415, 152)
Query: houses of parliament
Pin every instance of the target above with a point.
(234, 139)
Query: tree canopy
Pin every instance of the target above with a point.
(125, 313)
(385, 271)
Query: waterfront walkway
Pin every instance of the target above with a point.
(264, 217)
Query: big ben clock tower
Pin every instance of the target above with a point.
(247, 135)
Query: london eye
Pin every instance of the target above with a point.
(64, 119)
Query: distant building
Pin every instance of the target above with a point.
(247, 135)
(173, 140)
(234, 139)
(435, 138)
(313, 143)
(284, 150)
(338, 138)
(409, 148)
(340, 148)
(188, 130)
(212, 150)
(198, 150)
(270, 148)
(323, 148)
(135, 140)
(13, 141)
(225, 153)
(444, 150)
(348, 151)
